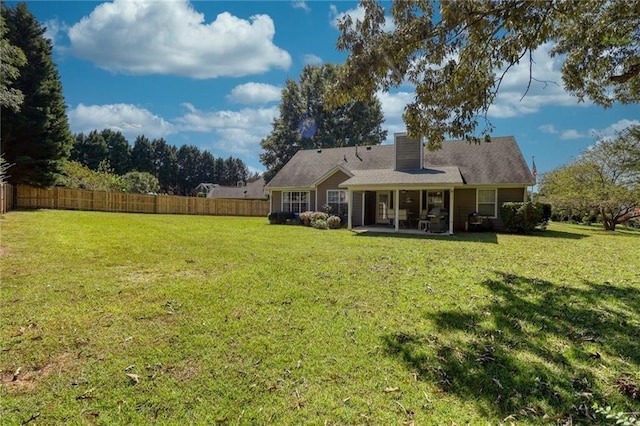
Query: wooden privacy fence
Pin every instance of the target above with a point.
(7, 200)
(81, 199)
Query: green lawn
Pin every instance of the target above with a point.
(124, 318)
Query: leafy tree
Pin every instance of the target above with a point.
(12, 60)
(77, 175)
(206, 168)
(119, 151)
(90, 150)
(604, 178)
(307, 122)
(457, 53)
(36, 139)
(141, 182)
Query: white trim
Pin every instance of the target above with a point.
(451, 204)
(349, 205)
(362, 209)
(495, 204)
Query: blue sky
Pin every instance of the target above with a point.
(210, 73)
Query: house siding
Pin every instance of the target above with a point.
(276, 201)
(464, 205)
(331, 182)
(408, 153)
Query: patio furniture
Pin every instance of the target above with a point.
(438, 220)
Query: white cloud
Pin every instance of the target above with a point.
(392, 107)
(311, 59)
(129, 119)
(546, 88)
(356, 14)
(548, 128)
(53, 29)
(301, 5)
(171, 37)
(255, 93)
(571, 134)
(237, 132)
(612, 130)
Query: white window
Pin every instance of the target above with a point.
(295, 201)
(487, 202)
(337, 201)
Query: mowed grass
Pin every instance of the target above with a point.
(134, 319)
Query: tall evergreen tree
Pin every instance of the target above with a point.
(164, 164)
(119, 151)
(36, 139)
(90, 150)
(307, 122)
(142, 155)
(12, 58)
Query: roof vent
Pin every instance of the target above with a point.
(319, 151)
(368, 148)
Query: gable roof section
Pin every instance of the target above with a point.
(309, 166)
(498, 162)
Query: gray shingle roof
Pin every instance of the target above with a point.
(497, 162)
(428, 176)
(307, 166)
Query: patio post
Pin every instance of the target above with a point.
(349, 208)
(396, 208)
(451, 191)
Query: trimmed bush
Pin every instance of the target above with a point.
(305, 218)
(334, 222)
(521, 218)
(280, 218)
(319, 224)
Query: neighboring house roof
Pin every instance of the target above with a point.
(205, 187)
(497, 162)
(252, 191)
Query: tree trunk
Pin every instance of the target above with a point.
(608, 221)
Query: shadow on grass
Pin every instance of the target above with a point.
(487, 237)
(533, 349)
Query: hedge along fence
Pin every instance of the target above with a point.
(80, 199)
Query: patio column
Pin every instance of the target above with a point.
(396, 208)
(349, 208)
(451, 204)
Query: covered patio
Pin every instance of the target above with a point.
(419, 201)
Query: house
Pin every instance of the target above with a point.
(253, 190)
(204, 188)
(403, 184)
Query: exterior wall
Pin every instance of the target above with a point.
(276, 201)
(464, 201)
(331, 182)
(408, 153)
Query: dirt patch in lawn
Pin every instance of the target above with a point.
(29, 379)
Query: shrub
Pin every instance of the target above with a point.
(305, 218)
(319, 224)
(280, 218)
(521, 217)
(319, 216)
(333, 222)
